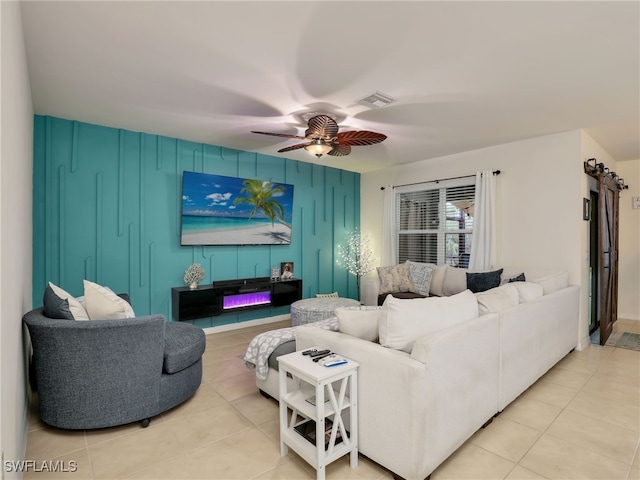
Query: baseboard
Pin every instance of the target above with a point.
(584, 343)
(249, 323)
(628, 316)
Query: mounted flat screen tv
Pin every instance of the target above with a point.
(219, 210)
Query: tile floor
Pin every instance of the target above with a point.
(580, 421)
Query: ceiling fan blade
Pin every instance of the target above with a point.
(293, 147)
(284, 135)
(340, 150)
(360, 137)
(322, 126)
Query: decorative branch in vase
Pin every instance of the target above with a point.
(193, 275)
(356, 256)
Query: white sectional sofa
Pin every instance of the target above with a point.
(434, 378)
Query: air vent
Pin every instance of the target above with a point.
(376, 100)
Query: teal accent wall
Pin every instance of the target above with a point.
(106, 207)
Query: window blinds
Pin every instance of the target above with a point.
(436, 225)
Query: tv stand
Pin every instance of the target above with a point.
(229, 296)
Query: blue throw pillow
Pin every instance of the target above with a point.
(518, 278)
(482, 281)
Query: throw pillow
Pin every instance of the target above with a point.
(420, 275)
(103, 304)
(394, 278)
(327, 295)
(361, 322)
(482, 281)
(528, 291)
(54, 306)
(497, 299)
(455, 281)
(518, 278)
(77, 310)
(437, 280)
(403, 321)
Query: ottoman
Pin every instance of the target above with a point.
(313, 309)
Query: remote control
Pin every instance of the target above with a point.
(318, 353)
(333, 360)
(310, 351)
(320, 357)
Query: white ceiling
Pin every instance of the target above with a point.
(465, 75)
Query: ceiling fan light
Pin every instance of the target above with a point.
(318, 147)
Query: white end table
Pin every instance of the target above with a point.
(311, 381)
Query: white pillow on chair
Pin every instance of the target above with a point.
(103, 304)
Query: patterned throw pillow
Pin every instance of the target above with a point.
(394, 278)
(327, 295)
(420, 275)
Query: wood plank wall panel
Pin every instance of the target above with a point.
(107, 208)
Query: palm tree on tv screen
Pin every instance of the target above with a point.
(261, 195)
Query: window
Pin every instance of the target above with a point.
(435, 225)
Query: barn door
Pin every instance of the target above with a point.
(608, 254)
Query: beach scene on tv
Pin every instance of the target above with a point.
(220, 210)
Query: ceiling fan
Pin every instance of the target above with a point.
(322, 137)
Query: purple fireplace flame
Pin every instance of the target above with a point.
(246, 300)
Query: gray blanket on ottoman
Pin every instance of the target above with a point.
(280, 341)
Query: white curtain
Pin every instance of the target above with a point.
(483, 245)
(389, 234)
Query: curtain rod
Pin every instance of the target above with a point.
(495, 172)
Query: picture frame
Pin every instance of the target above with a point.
(221, 210)
(286, 271)
(275, 274)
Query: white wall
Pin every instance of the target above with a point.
(539, 204)
(16, 160)
(629, 246)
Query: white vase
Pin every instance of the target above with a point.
(193, 285)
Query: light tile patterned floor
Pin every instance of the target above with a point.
(580, 421)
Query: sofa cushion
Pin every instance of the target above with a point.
(184, 344)
(497, 299)
(362, 322)
(455, 281)
(402, 322)
(103, 304)
(553, 282)
(482, 281)
(394, 278)
(77, 310)
(528, 291)
(437, 280)
(420, 275)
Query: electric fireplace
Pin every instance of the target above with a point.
(229, 296)
(241, 300)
